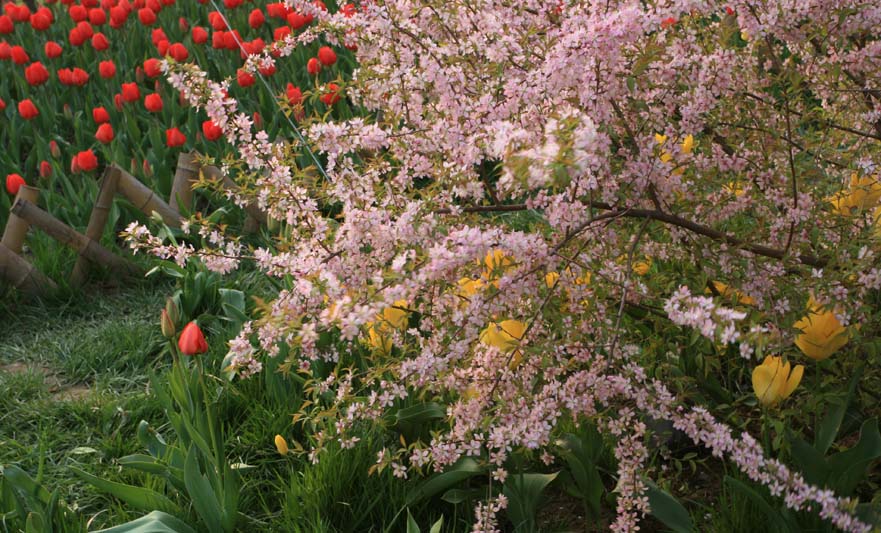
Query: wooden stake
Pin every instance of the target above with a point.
(22, 274)
(186, 174)
(146, 200)
(64, 234)
(97, 220)
(17, 228)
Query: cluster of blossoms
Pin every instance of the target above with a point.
(532, 171)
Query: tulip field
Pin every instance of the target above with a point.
(440, 266)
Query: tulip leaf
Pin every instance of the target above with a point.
(412, 526)
(155, 522)
(809, 461)
(421, 413)
(457, 496)
(849, 466)
(201, 493)
(773, 516)
(459, 472)
(831, 424)
(668, 510)
(524, 497)
(138, 497)
(438, 526)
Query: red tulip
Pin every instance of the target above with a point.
(294, 94)
(179, 52)
(276, 10)
(85, 29)
(268, 70)
(54, 150)
(27, 109)
(52, 49)
(19, 56)
(100, 115)
(333, 96)
(192, 340)
(174, 138)
(232, 4)
(104, 133)
(86, 161)
(40, 22)
(200, 36)
(216, 20)
(107, 69)
(281, 32)
(118, 16)
(667, 22)
(296, 20)
(152, 68)
(97, 17)
(117, 101)
(2, 105)
(729, 10)
(245, 79)
(5, 50)
(157, 36)
(183, 25)
(162, 47)
(256, 19)
(153, 102)
(45, 169)
(147, 16)
(231, 40)
(130, 92)
(78, 13)
(348, 10)
(258, 120)
(36, 74)
(7, 25)
(327, 56)
(100, 42)
(313, 67)
(14, 183)
(211, 131)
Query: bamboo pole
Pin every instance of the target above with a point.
(64, 234)
(23, 275)
(186, 174)
(252, 208)
(97, 220)
(146, 200)
(17, 228)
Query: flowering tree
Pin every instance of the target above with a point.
(529, 184)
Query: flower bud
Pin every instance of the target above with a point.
(172, 310)
(166, 324)
(281, 445)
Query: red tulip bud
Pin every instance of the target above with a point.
(192, 340)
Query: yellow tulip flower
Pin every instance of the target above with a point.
(496, 262)
(688, 144)
(551, 279)
(821, 333)
(773, 381)
(506, 336)
(395, 316)
(862, 194)
(734, 188)
(641, 268)
(281, 445)
(377, 339)
(727, 292)
(468, 287)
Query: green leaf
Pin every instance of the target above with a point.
(412, 526)
(770, 513)
(421, 413)
(849, 466)
(36, 523)
(668, 510)
(457, 496)
(831, 423)
(155, 522)
(809, 461)
(138, 497)
(201, 493)
(459, 472)
(22, 482)
(524, 496)
(438, 526)
(151, 440)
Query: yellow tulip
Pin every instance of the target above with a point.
(551, 279)
(281, 445)
(377, 339)
(469, 287)
(877, 224)
(727, 292)
(773, 381)
(395, 316)
(660, 139)
(497, 262)
(506, 336)
(734, 188)
(863, 193)
(688, 144)
(821, 333)
(641, 268)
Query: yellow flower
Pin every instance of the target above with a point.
(395, 316)
(734, 188)
(877, 225)
(281, 445)
(506, 336)
(687, 144)
(641, 268)
(773, 381)
(497, 262)
(469, 287)
(863, 193)
(551, 279)
(744, 35)
(727, 292)
(660, 139)
(821, 333)
(377, 340)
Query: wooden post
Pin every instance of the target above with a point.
(186, 174)
(22, 274)
(97, 220)
(64, 234)
(146, 200)
(17, 228)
